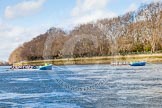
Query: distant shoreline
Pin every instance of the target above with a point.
(151, 58)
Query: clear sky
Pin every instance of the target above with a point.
(21, 20)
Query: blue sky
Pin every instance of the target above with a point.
(21, 20)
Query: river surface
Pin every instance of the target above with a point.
(82, 86)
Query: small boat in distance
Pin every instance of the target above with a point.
(46, 67)
(138, 63)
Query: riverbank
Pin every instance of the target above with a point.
(151, 58)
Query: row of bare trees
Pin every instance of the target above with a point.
(138, 31)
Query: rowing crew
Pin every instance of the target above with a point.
(24, 67)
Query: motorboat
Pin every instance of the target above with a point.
(138, 63)
(46, 67)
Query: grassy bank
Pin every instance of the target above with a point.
(152, 58)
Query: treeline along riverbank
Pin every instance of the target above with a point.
(136, 31)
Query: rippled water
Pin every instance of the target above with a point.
(82, 86)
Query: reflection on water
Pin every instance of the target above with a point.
(122, 86)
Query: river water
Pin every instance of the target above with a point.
(82, 86)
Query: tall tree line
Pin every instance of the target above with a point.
(137, 31)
